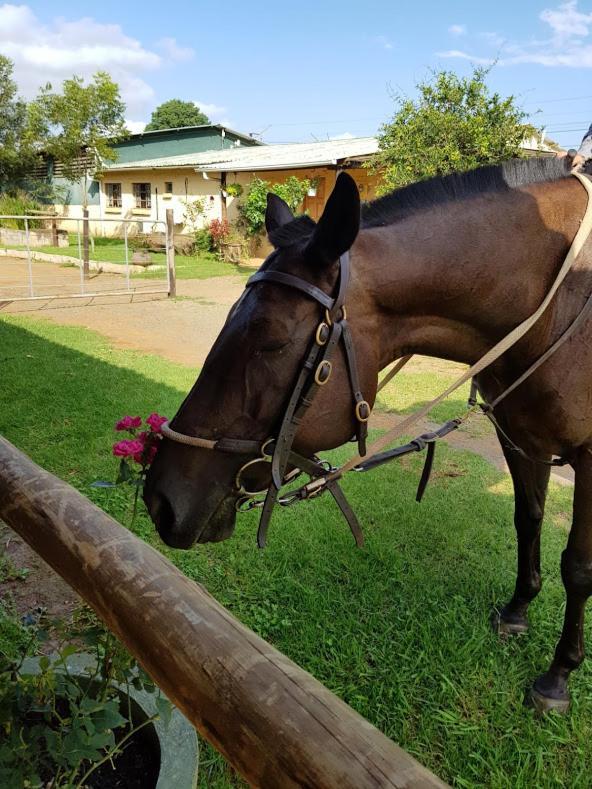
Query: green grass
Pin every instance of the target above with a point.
(408, 391)
(400, 630)
(108, 250)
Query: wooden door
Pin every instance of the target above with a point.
(313, 206)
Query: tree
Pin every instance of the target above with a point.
(175, 113)
(17, 150)
(455, 124)
(80, 124)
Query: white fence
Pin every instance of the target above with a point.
(31, 273)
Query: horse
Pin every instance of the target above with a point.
(445, 268)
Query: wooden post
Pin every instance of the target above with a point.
(54, 233)
(85, 245)
(223, 197)
(274, 723)
(170, 252)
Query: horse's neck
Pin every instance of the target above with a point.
(451, 281)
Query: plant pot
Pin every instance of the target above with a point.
(176, 742)
(232, 251)
(141, 258)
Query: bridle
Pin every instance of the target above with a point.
(315, 372)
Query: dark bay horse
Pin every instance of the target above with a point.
(444, 268)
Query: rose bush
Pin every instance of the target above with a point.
(137, 451)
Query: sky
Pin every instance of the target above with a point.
(306, 70)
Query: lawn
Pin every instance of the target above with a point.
(111, 250)
(400, 629)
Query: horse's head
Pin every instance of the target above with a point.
(250, 372)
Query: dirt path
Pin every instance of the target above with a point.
(181, 329)
(184, 329)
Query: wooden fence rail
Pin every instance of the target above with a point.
(273, 721)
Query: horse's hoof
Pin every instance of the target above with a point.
(510, 626)
(544, 704)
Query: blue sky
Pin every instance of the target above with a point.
(309, 70)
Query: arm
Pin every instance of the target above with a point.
(585, 150)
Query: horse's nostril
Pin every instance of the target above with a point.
(162, 512)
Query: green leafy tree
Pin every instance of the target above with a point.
(17, 149)
(252, 208)
(455, 124)
(80, 124)
(175, 113)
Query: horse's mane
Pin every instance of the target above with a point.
(403, 202)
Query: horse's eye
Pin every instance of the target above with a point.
(273, 347)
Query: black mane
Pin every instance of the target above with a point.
(436, 191)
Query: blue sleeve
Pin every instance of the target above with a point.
(585, 149)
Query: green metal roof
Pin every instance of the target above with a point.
(264, 157)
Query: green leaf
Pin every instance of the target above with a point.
(70, 649)
(125, 472)
(109, 716)
(44, 663)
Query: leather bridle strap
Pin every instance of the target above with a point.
(282, 278)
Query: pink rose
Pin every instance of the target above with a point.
(127, 448)
(129, 423)
(155, 421)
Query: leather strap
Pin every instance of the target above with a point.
(354, 378)
(282, 278)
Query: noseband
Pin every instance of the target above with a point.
(315, 372)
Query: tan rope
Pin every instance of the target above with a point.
(494, 353)
(399, 364)
(191, 441)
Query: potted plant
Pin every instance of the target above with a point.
(89, 721)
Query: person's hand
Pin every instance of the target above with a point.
(576, 159)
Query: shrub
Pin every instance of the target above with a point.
(219, 230)
(252, 209)
(19, 203)
(203, 240)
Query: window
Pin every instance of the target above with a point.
(168, 187)
(142, 195)
(113, 195)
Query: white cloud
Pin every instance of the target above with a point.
(568, 45)
(344, 136)
(135, 127)
(173, 51)
(458, 53)
(566, 21)
(211, 110)
(51, 52)
(457, 30)
(215, 112)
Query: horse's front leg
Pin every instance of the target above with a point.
(550, 690)
(530, 490)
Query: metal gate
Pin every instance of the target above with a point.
(31, 273)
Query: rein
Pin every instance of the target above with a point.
(316, 372)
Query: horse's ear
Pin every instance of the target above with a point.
(277, 213)
(338, 226)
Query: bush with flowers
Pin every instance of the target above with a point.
(137, 452)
